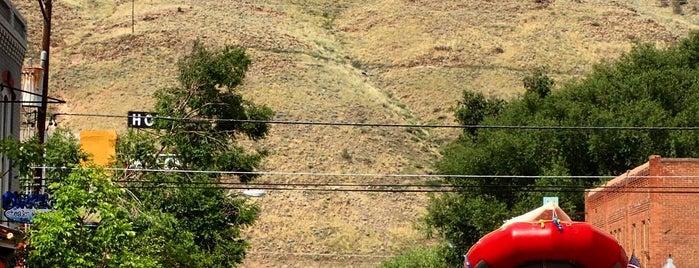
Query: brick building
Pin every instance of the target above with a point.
(653, 210)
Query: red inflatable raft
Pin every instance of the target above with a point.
(546, 237)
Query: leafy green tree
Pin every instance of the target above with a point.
(210, 114)
(87, 227)
(200, 123)
(91, 224)
(474, 107)
(647, 87)
(538, 83)
(60, 150)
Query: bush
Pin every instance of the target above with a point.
(434, 257)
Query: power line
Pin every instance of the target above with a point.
(423, 10)
(341, 187)
(422, 190)
(439, 185)
(346, 255)
(365, 190)
(332, 186)
(388, 175)
(355, 124)
(380, 175)
(394, 187)
(306, 185)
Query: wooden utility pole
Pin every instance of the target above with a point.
(46, 8)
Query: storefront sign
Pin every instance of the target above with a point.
(23, 215)
(23, 208)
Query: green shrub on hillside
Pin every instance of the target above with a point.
(419, 258)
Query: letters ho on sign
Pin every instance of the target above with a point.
(140, 119)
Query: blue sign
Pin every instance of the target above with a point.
(22, 207)
(23, 215)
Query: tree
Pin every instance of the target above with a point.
(60, 150)
(474, 107)
(87, 227)
(646, 87)
(538, 83)
(89, 224)
(210, 113)
(200, 122)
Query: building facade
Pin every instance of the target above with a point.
(652, 210)
(13, 46)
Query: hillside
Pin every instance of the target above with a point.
(378, 61)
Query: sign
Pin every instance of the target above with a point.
(20, 207)
(23, 215)
(140, 119)
(549, 199)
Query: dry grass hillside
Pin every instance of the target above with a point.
(379, 61)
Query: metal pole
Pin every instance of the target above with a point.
(41, 117)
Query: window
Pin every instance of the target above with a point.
(20, 27)
(644, 239)
(621, 237)
(5, 10)
(633, 237)
(616, 233)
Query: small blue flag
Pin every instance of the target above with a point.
(634, 262)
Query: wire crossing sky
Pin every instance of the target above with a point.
(354, 124)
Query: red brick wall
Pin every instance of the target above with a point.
(678, 230)
(646, 221)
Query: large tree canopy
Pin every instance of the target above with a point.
(648, 87)
(209, 114)
(201, 121)
(89, 226)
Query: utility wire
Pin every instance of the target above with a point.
(441, 185)
(354, 124)
(342, 187)
(383, 187)
(436, 187)
(440, 189)
(381, 175)
(346, 255)
(423, 190)
(364, 190)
